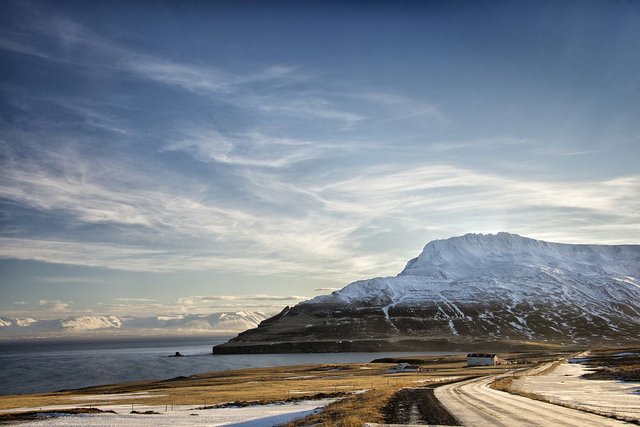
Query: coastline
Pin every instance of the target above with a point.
(286, 394)
(256, 386)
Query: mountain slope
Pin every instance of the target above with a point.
(473, 291)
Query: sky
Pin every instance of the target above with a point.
(200, 157)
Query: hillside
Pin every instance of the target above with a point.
(474, 291)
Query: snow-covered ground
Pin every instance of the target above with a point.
(250, 416)
(565, 386)
(474, 403)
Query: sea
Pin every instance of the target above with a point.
(50, 365)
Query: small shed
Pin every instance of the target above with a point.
(404, 367)
(481, 359)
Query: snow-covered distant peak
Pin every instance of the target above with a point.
(252, 316)
(174, 317)
(108, 325)
(85, 323)
(26, 321)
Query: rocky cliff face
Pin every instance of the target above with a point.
(474, 291)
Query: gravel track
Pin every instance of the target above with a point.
(474, 403)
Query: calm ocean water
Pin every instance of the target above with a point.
(41, 366)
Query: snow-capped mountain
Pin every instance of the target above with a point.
(217, 323)
(88, 323)
(467, 291)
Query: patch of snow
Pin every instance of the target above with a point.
(84, 323)
(184, 415)
(176, 317)
(452, 327)
(565, 385)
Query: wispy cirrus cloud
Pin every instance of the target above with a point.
(203, 79)
(398, 108)
(59, 39)
(308, 107)
(323, 236)
(261, 197)
(135, 300)
(273, 90)
(246, 149)
(251, 297)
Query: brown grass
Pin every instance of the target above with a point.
(608, 366)
(264, 384)
(352, 412)
(278, 384)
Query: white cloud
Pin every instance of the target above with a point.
(306, 107)
(54, 305)
(190, 77)
(273, 214)
(397, 108)
(246, 149)
(321, 235)
(253, 297)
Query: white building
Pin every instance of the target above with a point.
(404, 367)
(481, 359)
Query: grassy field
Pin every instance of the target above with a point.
(374, 386)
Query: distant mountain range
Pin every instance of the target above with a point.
(470, 292)
(213, 324)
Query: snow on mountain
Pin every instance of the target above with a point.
(26, 321)
(505, 265)
(174, 317)
(87, 323)
(22, 322)
(217, 323)
(507, 254)
(478, 287)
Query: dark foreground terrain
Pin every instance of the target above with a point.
(614, 364)
(417, 406)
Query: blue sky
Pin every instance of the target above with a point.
(214, 156)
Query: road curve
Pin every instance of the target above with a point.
(474, 403)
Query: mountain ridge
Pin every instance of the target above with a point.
(216, 323)
(469, 290)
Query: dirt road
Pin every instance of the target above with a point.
(474, 403)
